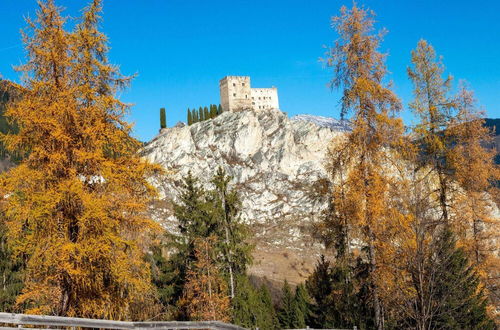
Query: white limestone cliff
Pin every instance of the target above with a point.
(275, 163)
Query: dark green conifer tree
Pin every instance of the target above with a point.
(456, 294)
(163, 118)
(288, 313)
(206, 113)
(201, 115)
(219, 110)
(303, 303)
(10, 274)
(236, 251)
(189, 117)
(195, 116)
(213, 111)
(253, 308)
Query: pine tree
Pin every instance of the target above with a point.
(288, 313)
(269, 318)
(163, 118)
(83, 187)
(189, 117)
(219, 110)
(361, 210)
(303, 303)
(205, 293)
(10, 274)
(253, 308)
(233, 232)
(457, 297)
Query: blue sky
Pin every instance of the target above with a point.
(181, 48)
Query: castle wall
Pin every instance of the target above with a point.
(264, 98)
(235, 93)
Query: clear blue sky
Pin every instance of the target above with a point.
(181, 48)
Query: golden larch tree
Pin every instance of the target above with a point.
(205, 296)
(359, 164)
(76, 207)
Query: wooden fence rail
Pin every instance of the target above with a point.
(51, 322)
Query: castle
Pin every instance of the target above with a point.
(236, 95)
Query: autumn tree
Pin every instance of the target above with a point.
(76, 208)
(453, 148)
(434, 107)
(205, 291)
(473, 162)
(358, 164)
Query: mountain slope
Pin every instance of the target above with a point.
(274, 162)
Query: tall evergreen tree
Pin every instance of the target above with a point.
(195, 115)
(253, 308)
(454, 289)
(213, 111)
(201, 114)
(235, 249)
(219, 109)
(206, 113)
(288, 313)
(189, 117)
(10, 274)
(303, 303)
(163, 118)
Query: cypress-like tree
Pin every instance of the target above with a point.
(219, 109)
(213, 111)
(195, 115)
(201, 114)
(163, 118)
(189, 117)
(206, 113)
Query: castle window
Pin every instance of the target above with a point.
(246, 96)
(243, 84)
(253, 103)
(259, 97)
(234, 94)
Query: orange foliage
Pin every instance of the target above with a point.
(205, 292)
(76, 207)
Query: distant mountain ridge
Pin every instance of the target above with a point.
(328, 122)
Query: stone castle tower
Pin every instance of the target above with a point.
(236, 95)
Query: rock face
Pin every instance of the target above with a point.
(274, 162)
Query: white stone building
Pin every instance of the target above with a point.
(236, 94)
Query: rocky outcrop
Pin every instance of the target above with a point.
(275, 163)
